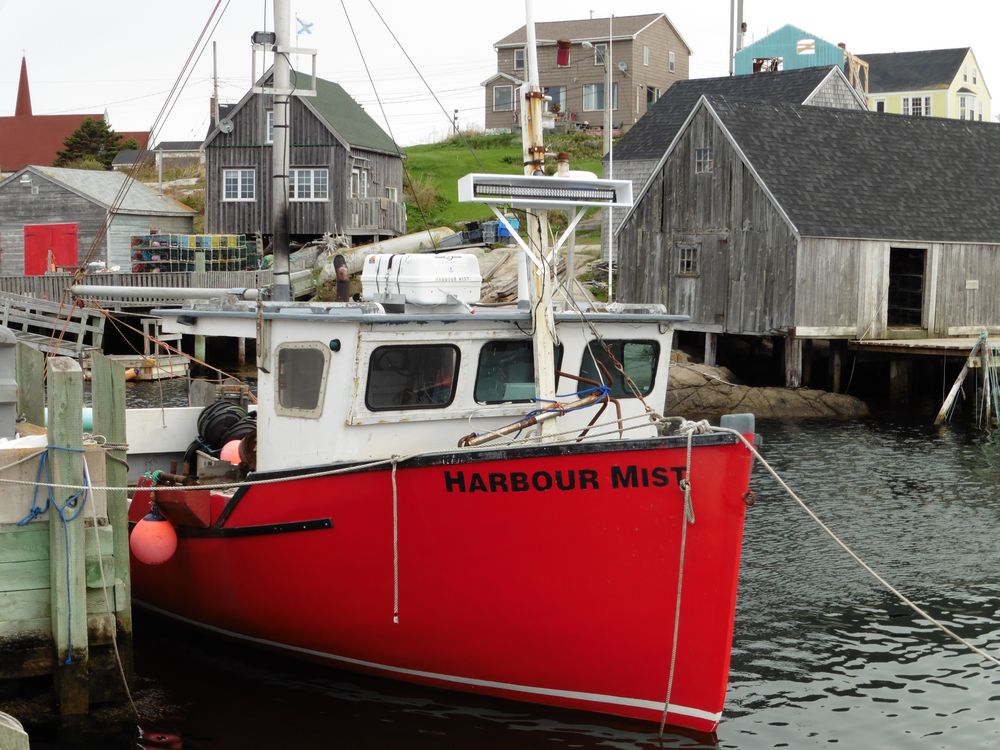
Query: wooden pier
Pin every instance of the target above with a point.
(65, 610)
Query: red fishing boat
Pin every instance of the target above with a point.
(475, 498)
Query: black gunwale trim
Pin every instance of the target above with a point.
(262, 530)
(494, 454)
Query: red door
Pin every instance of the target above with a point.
(48, 246)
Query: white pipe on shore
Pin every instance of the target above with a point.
(171, 292)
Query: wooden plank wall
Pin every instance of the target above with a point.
(746, 279)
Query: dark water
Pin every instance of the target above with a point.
(823, 655)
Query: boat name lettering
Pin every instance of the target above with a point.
(620, 477)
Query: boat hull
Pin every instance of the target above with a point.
(547, 575)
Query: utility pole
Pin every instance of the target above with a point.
(280, 151)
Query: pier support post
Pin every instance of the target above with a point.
(836, 365)
(900, 371)
(67, 557)
(30, 384)
(711, 348)
(199, 341)
(793, 361)
(241, 345)
(108, 386)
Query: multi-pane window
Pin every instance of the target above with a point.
(359, 183)
(966, 107)
(600, 54)
(687, 260)
(593, 97)
(557, 96)
(238, 184)
(308, 184)
(703, 159)
(519, 58)
(503, 98)
(919, 106)
(671, 61)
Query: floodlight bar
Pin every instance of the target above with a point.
(543, 192)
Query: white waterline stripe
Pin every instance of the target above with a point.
(571, 694)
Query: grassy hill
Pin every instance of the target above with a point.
(431, 185)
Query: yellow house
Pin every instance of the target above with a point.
(931, 83)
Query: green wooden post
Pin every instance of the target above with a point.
(30, 384)
(108, 388)
(67, 556)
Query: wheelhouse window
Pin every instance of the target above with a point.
(637, 358)
(308, 184)
(503, 98)
(507, 372)
(411, 377)
(238, 185)
(301, 381)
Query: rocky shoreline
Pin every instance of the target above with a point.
(700, 391)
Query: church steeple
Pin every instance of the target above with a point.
(23, 108)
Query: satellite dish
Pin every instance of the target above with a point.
(226, 125)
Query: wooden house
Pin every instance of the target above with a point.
(640, 150)
(52, 217)
(787, 48)
(807, 223)
(345, 176)
(930, 83)
(647, 54)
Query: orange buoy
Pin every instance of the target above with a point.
(231, 452)
(153, 540)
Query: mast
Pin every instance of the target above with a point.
(280, 151)
(542, 277)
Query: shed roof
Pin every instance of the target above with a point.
(102, 188)
(652, 134)
(621, 27)
(178, 146)
(913, 71)
(840, 173)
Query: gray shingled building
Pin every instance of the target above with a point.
(810, 223)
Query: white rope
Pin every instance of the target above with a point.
(892, 589)
(686, 518)
(104, 586)
(395, 545)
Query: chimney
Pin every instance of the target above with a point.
(23, 108)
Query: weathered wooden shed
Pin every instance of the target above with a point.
(815, 223)
(52, 216)
(345, 175)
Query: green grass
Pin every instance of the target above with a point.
(443, 163)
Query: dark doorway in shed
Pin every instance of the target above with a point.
(906, 287)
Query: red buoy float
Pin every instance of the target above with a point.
(153, 540)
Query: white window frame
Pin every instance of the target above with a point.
(269, 126)
(245, 177)
(645, 55)
(519, 53)
(671, 61)
(703, 160)
(510, 89)
(359, 183)
(923, 108)
(560, 100)
(876, 103)
(290, 411)
(597, 89)
(962, 109)
(314, 196)
(392, 194)
(975, 75)
(600, 54)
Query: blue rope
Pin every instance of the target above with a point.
(66, 518)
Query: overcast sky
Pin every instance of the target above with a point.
(123, 57)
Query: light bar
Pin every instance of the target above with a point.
(543, 192)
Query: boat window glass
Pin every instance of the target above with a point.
(302, 369)
(638, 358)
(411, 377)
(507, 372)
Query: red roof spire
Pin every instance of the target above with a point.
(23, 108)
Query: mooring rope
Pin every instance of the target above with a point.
(892, 589)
